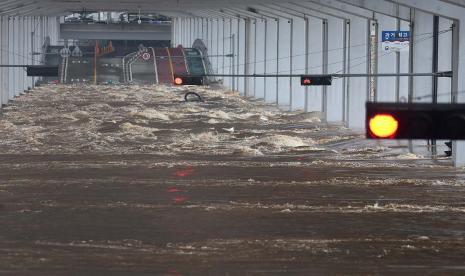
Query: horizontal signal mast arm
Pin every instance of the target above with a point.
(437, 74)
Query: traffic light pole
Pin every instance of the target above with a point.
(446, 74)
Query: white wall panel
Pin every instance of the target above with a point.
(334, 94)
(298, 62)
(250, 61)
(260, 38)
(315, 63)
(241, 57)
(358, 87)
(271, 60)
(444, 60)
(423, 55)
(387, 62)
(284, 62)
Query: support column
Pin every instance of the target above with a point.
(4, 44)
(387, 62)
(458, 60)
(334, 94)
(423, 56)
(11, 59)
(315, 57)
(271, 59)
(21, 55)
(250, 57)
(284, 62)
(358, 87)
(3, 54)
(227, 50)
(260, 52)
(299, 38)
(241, 55)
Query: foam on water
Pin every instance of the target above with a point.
(152, 114)
(119, 118)
(138, 130)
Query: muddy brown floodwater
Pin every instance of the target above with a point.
(132, 180)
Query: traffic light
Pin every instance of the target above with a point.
(188, 80)
(42, 71)
(308, 80)
(415, 121)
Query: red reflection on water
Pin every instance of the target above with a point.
(173, 190)
(184, 172)
(174, 273)
(180, 199)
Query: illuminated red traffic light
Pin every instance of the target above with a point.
(383, 126)
(188, 80)
(178, 81)
(415, 121)
(307, 80)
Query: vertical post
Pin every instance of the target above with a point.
(2, 53)
(4, 41)
(435, 66)
(325, 66)
(232, 52)
(410, 66)
(277, 58)
(307, 46)
(373, 58)
(224, 41)
(291, 62)
(397, 58)
(247, 55)
(32, 48)
(95, 62)
(458, 157)
(346, 64)
(265, 63)
(255, 57)
(238, 50)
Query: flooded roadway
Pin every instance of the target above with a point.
(129, 180)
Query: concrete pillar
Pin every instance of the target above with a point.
(250, 56)
(260, 53)
(403, 64)
(234, 51)
(17, 54)
(333, 100)
(21, 54)
(444, 61)
(241, 55)
(191, 30)
(387, 62)
(459, 58)
(423, 56)
(227, 50)
(3, 60)
(173, 32)
(315, 30)
(214, 52)
(180, 32)
(11, 58)
(271, 60)
(198, 25)
(4, 44)
(284, 62)
(298, 53)
(358, 87)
